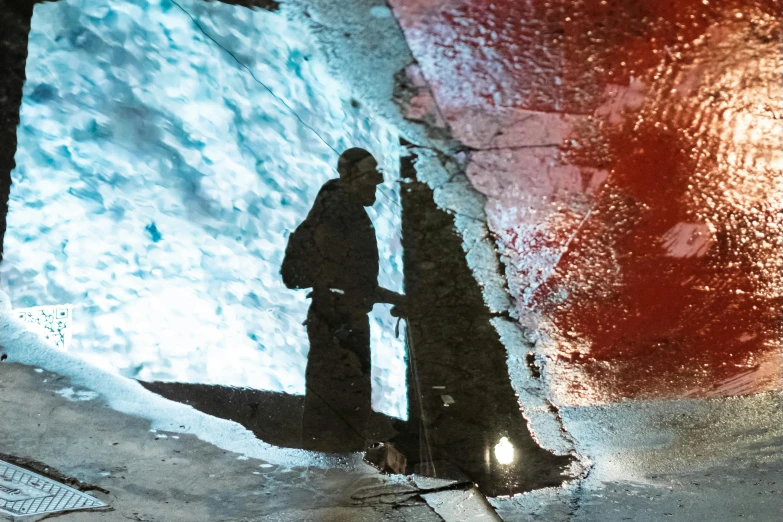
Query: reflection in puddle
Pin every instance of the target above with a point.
(156, 183)
(53, 323)
(504, 451)
(674, 284)
(465, 422)
(334, 253)
(631, 154)
(155, 189)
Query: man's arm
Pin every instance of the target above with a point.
(384, 295)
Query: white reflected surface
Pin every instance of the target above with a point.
(504, 451)
(157, 182)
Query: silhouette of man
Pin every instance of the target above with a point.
(334, 252)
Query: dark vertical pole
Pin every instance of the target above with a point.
(409, 439)
(15, 17)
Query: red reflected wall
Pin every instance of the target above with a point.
(632, 156)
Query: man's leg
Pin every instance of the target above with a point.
(337, 401)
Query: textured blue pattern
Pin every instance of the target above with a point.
(157, 181)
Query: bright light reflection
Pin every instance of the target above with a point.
(504, 451)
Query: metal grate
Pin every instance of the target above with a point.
(24, 493)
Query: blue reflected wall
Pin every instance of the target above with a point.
(157, 181)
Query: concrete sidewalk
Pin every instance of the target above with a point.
(688, 460)
(694, 460)
(148, 475)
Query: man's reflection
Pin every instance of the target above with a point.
(335, 253)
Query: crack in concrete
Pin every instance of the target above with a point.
(403, 499)
(532, 365)
(50, 516)
(513, 147)
(556, 411)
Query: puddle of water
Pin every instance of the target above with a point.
(178, 177)
(157, 182)
(634, 169)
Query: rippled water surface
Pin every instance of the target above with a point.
(631, 155)
(157, 181)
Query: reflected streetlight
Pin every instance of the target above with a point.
(504, 451)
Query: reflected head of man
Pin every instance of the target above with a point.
(359, 175)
